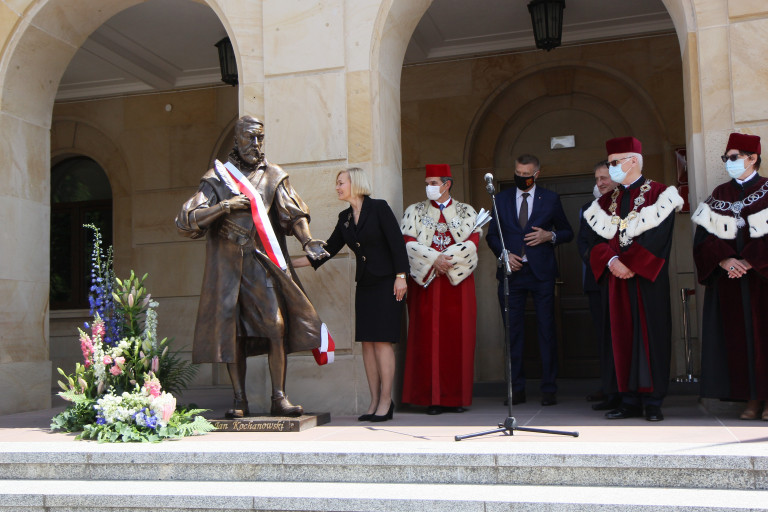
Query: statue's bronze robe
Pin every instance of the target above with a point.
(244, 295)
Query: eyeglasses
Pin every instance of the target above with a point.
(732, 157)
(613, 163)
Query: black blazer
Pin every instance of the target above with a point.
(376, 240)
(583, 241)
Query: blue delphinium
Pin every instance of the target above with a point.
(102, 285)
(145, 420)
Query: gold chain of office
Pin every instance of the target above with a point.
(624, 238)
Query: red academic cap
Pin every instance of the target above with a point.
(744, 142)
(623, 145)
(438, 170)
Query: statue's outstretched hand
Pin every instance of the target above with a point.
(314, 249)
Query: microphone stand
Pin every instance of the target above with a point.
(510, 423)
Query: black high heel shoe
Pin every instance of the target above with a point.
(365, 417)
(384, 417)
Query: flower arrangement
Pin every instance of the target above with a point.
(123, 389)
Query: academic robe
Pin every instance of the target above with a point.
(440, 355)
(640, 316)
(244, 295)
(734, 331)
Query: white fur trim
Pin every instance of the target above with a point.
(460, 214)
(464, 261)
(599, 221)
(758, 224)
(722, 226)
(421, 258)
(653, 215)
(647, 218)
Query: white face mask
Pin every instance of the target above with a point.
(617, 174)
(737, 168)
(596, 192)
(433, 192)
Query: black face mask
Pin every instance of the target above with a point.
(524, 182)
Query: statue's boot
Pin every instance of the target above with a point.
(240, 407)
(282, 407)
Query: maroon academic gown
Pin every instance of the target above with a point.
(734, 344)
(440, 356)
(640, 317)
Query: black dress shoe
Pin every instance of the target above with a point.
(454, 409)
(434, 410)
(625, 411)
(518, 397)
(607, 404)
(548, 399)
(653, 413)
(365, 417)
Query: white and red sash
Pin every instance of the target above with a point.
(324, 354)
(260, 218)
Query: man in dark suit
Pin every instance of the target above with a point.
(532, 223)
(608, 396)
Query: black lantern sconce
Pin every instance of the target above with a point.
(227, 62)
(547, 19)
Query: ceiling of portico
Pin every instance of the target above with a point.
(462, 28)
(163, 45)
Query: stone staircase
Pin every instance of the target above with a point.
(336, 476)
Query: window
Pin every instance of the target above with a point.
(80, 194)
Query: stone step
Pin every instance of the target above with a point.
(199, 496)
(728, 467)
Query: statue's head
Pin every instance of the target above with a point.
(249, 139)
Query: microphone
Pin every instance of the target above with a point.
(489, 183)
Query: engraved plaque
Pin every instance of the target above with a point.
(268, 423)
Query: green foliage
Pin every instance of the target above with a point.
(78, 414)
(188, 423)
(175, 373)
(81, 382)
(132, 298)
(183, 423)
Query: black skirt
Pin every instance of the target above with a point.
(377, 313)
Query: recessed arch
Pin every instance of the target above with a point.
(44, 38)
(591, 85)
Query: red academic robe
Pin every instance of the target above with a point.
(640, 316)
(440, 356)
(734, 344)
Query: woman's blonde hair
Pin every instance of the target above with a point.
(359, 183)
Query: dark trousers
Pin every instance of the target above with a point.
(598, 308)
(521, 283)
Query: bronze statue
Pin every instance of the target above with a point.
(249, 305)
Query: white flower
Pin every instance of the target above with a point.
(164, 407)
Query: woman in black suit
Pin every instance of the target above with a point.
(369, 228)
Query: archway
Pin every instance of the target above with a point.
(397, 22)
(45, 38)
